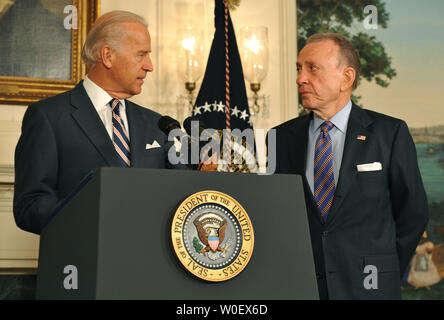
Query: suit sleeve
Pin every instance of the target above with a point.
(272, 161)
(408, 198)
(36, 172)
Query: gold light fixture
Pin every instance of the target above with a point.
(190, 57)
(254, 44)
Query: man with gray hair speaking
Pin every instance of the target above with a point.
(365, 199)
(93, 125)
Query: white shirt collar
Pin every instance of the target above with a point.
(99, 97)
(339, 120)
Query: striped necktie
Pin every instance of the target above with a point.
(324, 182)
(120, 136)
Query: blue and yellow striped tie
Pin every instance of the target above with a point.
(324, 182)
(120, 135)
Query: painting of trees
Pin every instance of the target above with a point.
(339, 16)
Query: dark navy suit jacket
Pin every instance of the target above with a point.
(62, 140)
(377, 217)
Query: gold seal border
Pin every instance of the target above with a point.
(212, 197)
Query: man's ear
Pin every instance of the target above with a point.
(107, 56)
(349, 75)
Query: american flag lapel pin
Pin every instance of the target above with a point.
(361, 138)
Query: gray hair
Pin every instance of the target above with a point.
(346, 49)
(108, 30)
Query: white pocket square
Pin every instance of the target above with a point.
(155, 144)
(375, 166)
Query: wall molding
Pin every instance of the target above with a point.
(6, 175)
(18, 249)
(288, 45)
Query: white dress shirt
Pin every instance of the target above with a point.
(100, 99)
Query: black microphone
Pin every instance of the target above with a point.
(167, 124)
(187, 125)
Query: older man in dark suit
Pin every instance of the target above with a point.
(66, 136)
(365, 199)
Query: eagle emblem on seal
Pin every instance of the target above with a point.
(211, 231)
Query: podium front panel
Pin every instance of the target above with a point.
(134, 255)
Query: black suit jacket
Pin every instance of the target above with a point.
(377, 217)
(62, 140)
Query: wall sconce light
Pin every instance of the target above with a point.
(190, 57)
(254, 40)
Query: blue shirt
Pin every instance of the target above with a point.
(337, 136)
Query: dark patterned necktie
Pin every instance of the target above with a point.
(324, 182)
(120, 136)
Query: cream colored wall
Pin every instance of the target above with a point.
(19, 249)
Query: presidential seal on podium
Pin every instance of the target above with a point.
(212, 236)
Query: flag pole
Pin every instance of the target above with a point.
(227, 149)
